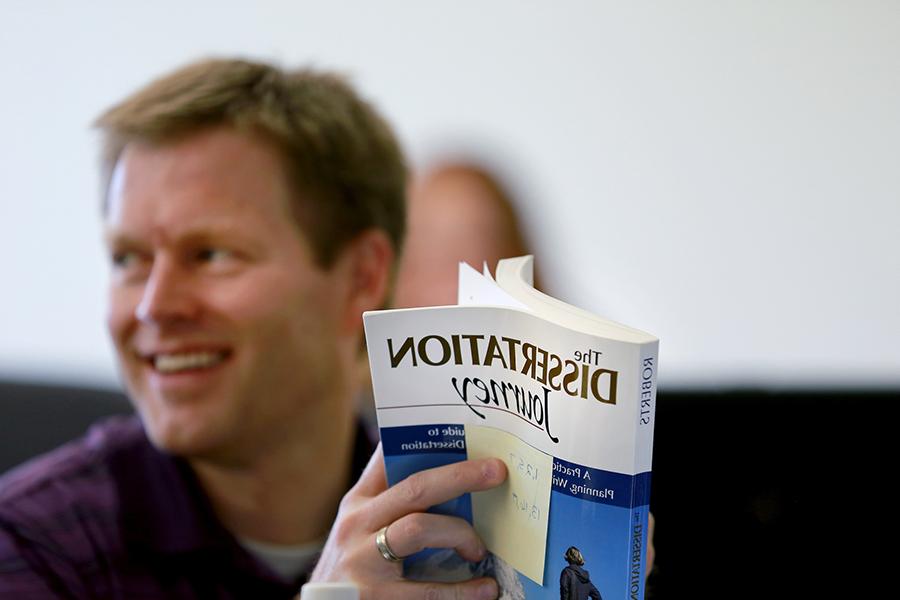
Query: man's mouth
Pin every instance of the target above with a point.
(187, 361)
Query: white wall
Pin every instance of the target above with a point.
(723, 174)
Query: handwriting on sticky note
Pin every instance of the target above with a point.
(512, 518)
(530, 473)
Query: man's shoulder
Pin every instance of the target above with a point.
(60, 514)
(71, 476)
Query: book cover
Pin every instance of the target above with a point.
(566, 399)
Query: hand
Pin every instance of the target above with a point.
(350, 553)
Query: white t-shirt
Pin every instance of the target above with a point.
(288, 561)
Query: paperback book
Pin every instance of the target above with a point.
(565, 398)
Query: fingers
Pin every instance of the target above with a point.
(651, 549)
(351, 554)
(418, 531)
(483, 588)
(425, 489)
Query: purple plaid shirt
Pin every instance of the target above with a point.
(109, 516)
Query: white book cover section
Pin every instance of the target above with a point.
(565, 398)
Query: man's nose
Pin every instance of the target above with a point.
(167, 296)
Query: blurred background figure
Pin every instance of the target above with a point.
(458, 212)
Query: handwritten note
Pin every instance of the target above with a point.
(512, 519)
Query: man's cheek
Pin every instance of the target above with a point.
(118, 314)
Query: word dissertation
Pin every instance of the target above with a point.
(566, 399)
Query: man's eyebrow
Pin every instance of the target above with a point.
(113, 237)
(212, 231)
(212, 227)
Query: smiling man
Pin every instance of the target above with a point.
(251, 215)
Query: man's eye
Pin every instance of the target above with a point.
(124, 259)
(212, 254)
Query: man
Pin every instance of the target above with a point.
(251, 216)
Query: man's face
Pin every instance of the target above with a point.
(225, 329)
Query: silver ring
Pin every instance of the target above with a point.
(382, 545)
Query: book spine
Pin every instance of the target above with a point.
(646, 407)
(645, 418)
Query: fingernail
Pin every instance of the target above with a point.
(491, 470)
(481, 553)
(488, 590)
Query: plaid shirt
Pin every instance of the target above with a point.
(109, 516)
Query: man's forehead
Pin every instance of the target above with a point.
(217, 170)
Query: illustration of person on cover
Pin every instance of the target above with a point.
(574, 581)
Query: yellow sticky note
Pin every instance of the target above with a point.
(512, 519)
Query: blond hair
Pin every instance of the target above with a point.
(344, 162)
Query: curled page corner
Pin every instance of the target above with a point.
(481, 289)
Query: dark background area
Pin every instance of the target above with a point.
(756, 494)
(772, 494)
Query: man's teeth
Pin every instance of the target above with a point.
(170, 363)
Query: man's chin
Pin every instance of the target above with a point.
(184, 439)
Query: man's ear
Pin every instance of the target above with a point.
(369, 262)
